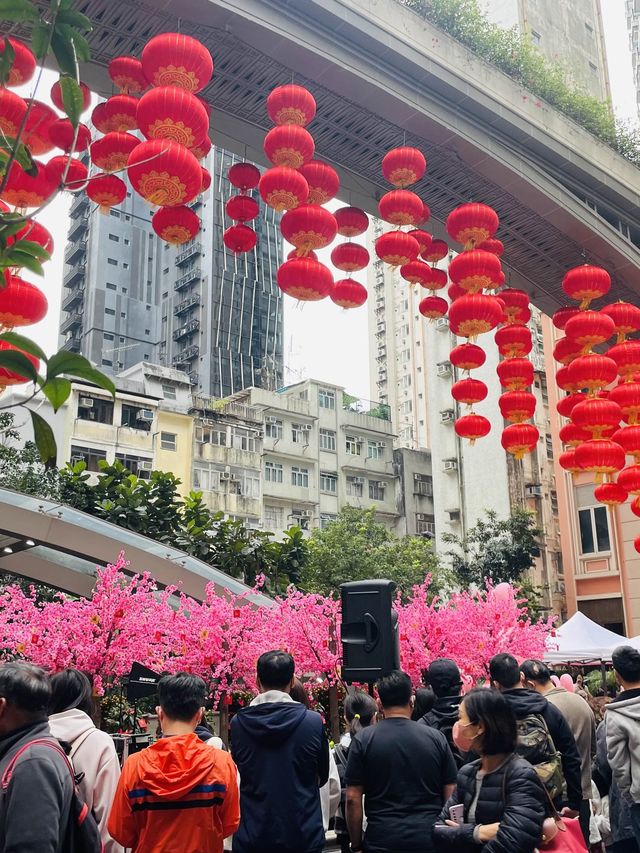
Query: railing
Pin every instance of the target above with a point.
(187, 303)
(226, 407)
(186, 355)
(76, 295)
(183, 281)
(188, 329)
(75, 273)
(77, 227)
(80, 204)
(189, 252)
(73, 249)
(71, 322)
(72, 344)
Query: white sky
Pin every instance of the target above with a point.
(321, 340)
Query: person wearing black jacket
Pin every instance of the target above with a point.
(443, 676)
(506, 677)
(504, 802)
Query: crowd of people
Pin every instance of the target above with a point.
(504, 767)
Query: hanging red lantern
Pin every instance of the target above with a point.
(627, 357)
(566, 350)
(291, 104)
(424, 239)
(305, 279)
(600, 457)
(9, 376)
(127, 75)
(515, 374)
(567, 461)
(293, 255)
(627, 396)
(513, 341)
(403, 166)
(562, 315)
(625, 316)
(289, 145)
(474, 315)
(23, 65)
(565, 406)
(36, 130)
(586, 283)
(36, 233)
(629, 438)
(170, 113)
(436, 252)
(515, 302)
(496, 247)
(164, 173)
(454, 291)
(76, 176)
(240, 239)
(400, 207)
(21, 303)
(573, 435)
(417, 272)
(426, 214)
(242, 208)
(61, 135)
(471, 224)
(22, 190)
(634, 506)
(244, 176)
(308, 227)
(106, 191)
(350, 257)
(472, 427)
(519, 439)
(475, 270)
(206, 179)
(348, 293)
(12, 110)
(396, 248)
(469, 391)
(467, 356)
(173, 59)
(111, 152)
(283, 188)
(202, 148)
(175, 225)
(597, 417)
(351, 221)
(56, 96)
(589, 328)
(433, 307)
(629, 479)
(517, 406)
(593, 372)
(565, 381)
(610, 494)
(116, 114)
(323, 181)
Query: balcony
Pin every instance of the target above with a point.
(78, 228)
(75, 273)
(72, 344)
(76, 296)
(186, 355)
(79, 206)
(195, 204)
(74, 250)
(73, 321)
(193, 275)
(190, 252)
(194, 377)
(188, 329)
(186, 304)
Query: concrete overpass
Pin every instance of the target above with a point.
(382, 75)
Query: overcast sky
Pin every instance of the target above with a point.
(320, 340)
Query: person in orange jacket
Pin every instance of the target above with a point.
(178, 795)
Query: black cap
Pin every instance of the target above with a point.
(444, 677)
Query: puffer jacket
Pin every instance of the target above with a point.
(622, 725)
(512, 795)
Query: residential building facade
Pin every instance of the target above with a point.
(632, 9)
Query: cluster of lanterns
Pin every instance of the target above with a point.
(242, 208)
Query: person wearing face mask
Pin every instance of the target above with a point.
(499, 802)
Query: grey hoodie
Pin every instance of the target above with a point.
(622, 720)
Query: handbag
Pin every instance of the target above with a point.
(568, 839)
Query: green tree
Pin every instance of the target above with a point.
(21, 468)
(356, 547)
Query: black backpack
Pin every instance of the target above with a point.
(446, 727)
(82, 834)
(341, 755)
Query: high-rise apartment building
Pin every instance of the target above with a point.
(632, 9)
(130, 297)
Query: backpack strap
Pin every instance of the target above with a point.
(8, 773)
(340, 754)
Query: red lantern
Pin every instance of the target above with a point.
(610, 494)
(400, 207)
(519, 439)
(61, 134)
(627, 396)
(471, 224)
(106, 191)
(172, 59)
(77, 173)
(472, 427)
(635, 509)
(170, 113)
(625, 316)
(23, 65)
(117, 113)
(348, 293)
(496, 247)
(289, 145)
(629, 479)
(349, 257)
(36, 131)
(469, 391)
(517, 406)
(474, 315)
(291, 104)
(565, 381)
(201, 150)
(454, 291)
(567, 461)
(36, 233)
(12, 110)
(24, 191)
(593, 372)
(293, 255)
(562, 316)
(9, 376)
(175, 225)
(600, 457)
(56, 96)
(589, 328)
(308, 227)
(352, 221)
(244, 176)
(629, 438)
(305, 279)
(242, 208)
(126, 73)
(403, 166)
(206, 179)
(423, 237)
(627, 356)
(586, 283)
(283, 188)
(397, 248)
(467, 356)
(573, 435)
(323, 181)
(426, 213)
(417, 272)
(475, 270)
(111, 152)
(596, 416)
(513, 341)
(164, 173)
(515, 303)
(433, 307)
(21, 303)
(565, 406)
(566, 350)
(436, 252)
(515, 374)
(240, 239)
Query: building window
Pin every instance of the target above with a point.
(406, 407)
(125, 265)
(273, 517)
(326, 518)
(326, 398)
(107, 336)
(273, 472)
(588, 28)
(328, 481)
(544, 389)
(404, 356)
(136, 417)
(593, 67)
(115, 213)
(250, 485)
(548, 440)
(112, 262)
(106, 362)
(110, 311)
(375, 449)
(95, 409)
(405, 381)
(536, 38)
(165, 271)
(594, 530)
(273, 428)
(207, 479)
(353, 445)
(169, 392)
(110, 286)
(376, 490)
(114, 237)
(300, 477)
(88, 455)
(327, 440)
(168, 441)
(207, 435)
(137, 465)
(423, 485)
(425, 524)
(243, 439)
(127, 241)
(553, 500)
(355, 487)
(301, 517)
(300, 433)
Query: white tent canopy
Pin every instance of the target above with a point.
(581, 639)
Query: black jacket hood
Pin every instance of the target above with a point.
(271, 723)
(444, 711)
(524, 702)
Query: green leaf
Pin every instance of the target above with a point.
(6, 61)
(17, 10)
(23, 259)
(74, 19)
(19, 363)
(65, 54)
(10, 224)
(40, 40)
(22, 155)
(56, 391)
(23, 343)
(78, 366)
(82, 46)
(72, 99)
(43, 435)
(32, 248)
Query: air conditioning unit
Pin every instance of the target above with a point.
(442, 324)
(305, 427)
(305, 513)
(259, 434)
(145, 465)
(380, 444)
(208, 422)
(144, 415)
(270, 419)
(417, 477)
(447, 416)
(226, 475)
(85, 402)
(444, 368)
(422, 516)
(358, 481)
(450, 465)
(360, 439)
(76, 459)
(534, 491)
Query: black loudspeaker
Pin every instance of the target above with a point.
(142, 682)
(370, 642)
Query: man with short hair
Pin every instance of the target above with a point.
(443, 676)
(34, 808)
(282, 753)
(622, 721)
(405, 771)
(506, 677)
(179, 794)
